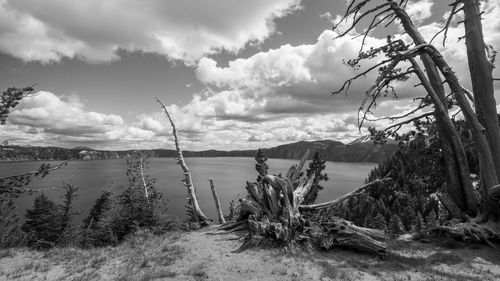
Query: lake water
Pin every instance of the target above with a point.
(229, 175)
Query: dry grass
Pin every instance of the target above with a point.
(196, 256)
(142, 256)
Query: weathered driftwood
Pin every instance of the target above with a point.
(196, 212)
(217, 203)
(468, 232)
(339, 232)
(272, 208)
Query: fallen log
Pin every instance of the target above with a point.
(468, 232)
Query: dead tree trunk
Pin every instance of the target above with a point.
(144, 184)
(196, 212)
(481, 69)
(459, 185)
(272, 211)
(217, 203)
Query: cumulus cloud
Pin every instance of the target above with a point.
(94, 30)
(290, 80)
(275, 96)
(420, 10)
(49, 119)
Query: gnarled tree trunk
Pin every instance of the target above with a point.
(459, 183)
(481, 68)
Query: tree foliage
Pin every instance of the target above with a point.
(316, 168)
(42, 223)
(261, 165)
(10, 98)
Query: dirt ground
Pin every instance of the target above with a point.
(199, 256)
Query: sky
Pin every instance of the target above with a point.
(234, 74)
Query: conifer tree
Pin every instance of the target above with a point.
(419, 222)
(137, 208)
(261, 165)
(368, 222)
(42, 223)
(379, 222)
(395, 225)
(99, 210)
(316, 168)
(97, 227)
(408, 217)
(431, 220)
(10, 233)
(67, 212)
(66, 208)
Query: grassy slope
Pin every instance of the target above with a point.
(198, 256)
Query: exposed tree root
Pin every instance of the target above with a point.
(271, 213)
(468, 232)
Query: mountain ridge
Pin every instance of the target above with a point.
(359, 150)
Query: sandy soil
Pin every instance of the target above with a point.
(199, 256)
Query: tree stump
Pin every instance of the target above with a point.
(272, 208)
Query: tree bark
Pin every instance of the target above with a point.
(481, 73)
(217, 203)
(466, 195)
(187, 181)
(459, 185)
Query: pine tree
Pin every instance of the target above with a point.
(97, 228)
(395, 226)
(408, 218)
(67, 207)
(99, 210)
(368, 222)
(397, 208)
(379, 222)
(261, 165)
(419, 225)
(10, 234)
(66, 213)
(42, 223)
(316, 167)
(431, 220)
(137, 208)
(382, 208)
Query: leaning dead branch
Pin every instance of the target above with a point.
(196, 213)
(217, 203)
(335, 202)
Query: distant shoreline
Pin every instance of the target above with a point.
(334, 151)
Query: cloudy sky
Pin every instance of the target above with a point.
(235, 74)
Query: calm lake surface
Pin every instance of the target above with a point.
(229, 175)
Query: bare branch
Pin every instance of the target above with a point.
(356, 18)
(344, 197)
(217, 203)
(454, 11)
(427, 114)
(35, 173)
